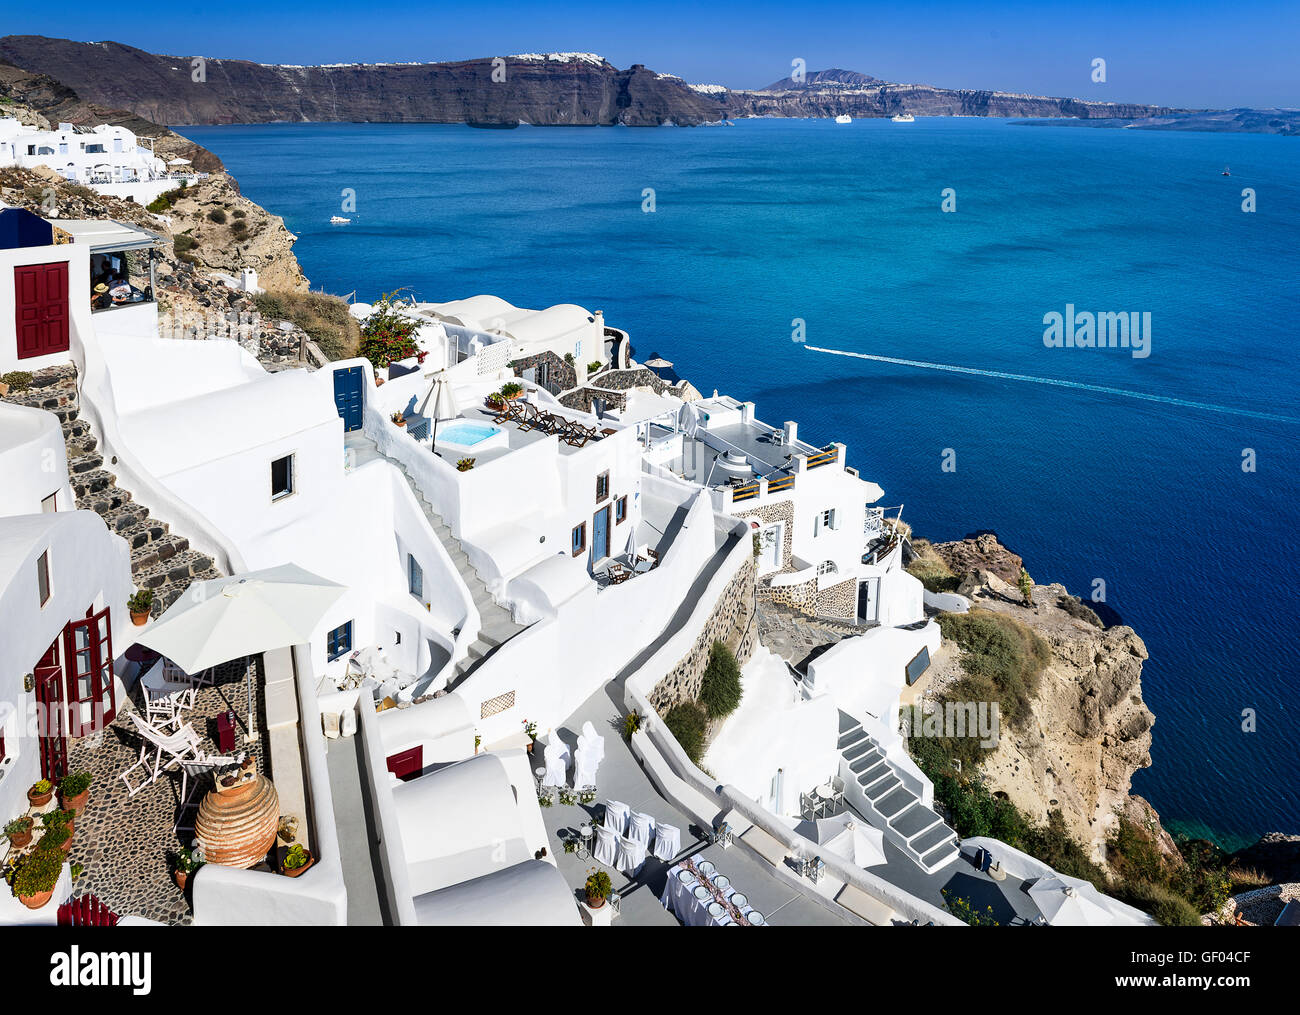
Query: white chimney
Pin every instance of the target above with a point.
(790, 431)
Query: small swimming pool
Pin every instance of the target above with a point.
(465, 434)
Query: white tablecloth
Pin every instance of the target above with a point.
(680, 900)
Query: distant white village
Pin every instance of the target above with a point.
(424, 643)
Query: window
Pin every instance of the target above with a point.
(620, 510)
(340, 641)
(43, 577)
(579, 538)
(827, 567)
(825, 520)
(50, 504)
(602, 486)
(415, 576)
(282, 477)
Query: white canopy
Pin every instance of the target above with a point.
(847, 836)
(1071, 902)
(226, 618)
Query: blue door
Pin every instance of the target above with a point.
(600, 534)
(348, 397)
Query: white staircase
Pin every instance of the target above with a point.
(874, 787)
(496, 626)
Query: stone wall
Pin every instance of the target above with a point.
(836, 601)
(731, 623)
(562, 374)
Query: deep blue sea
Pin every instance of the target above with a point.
(770, 221)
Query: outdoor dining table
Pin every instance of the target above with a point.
(679, 899)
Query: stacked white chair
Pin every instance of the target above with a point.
(557, 762)
(631, 856)
(590, 738)
(668, 841)
(640, 828)
(616, 816)
(606, 850)
(585, 763)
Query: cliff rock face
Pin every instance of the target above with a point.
(573, 89)
(542, 89)
(1090, 729)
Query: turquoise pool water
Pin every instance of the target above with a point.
(466, 435)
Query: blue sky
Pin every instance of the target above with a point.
(1185, 54)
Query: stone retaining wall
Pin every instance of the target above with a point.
(731, 623)
(562, 373)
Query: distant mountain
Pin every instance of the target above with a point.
(545, 89)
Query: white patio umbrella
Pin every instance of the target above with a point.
(443, 399)
(227, 618)
(1070, 902)
(848, 836)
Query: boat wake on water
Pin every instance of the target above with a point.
(1057, 383)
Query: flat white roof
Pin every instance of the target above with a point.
(107, 234)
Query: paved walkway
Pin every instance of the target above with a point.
(126, 842)
(620, 777)
(352, 816)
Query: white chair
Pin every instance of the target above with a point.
(557, 763)
(668, 841)
(165, 702)
(616, 816)
(178, 746)
(175, 675)
(589, 737)
(640, 828)
(585, 763)
(631, 856)
(606, 851)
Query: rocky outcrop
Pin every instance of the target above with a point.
(1276, 856)
(1089, 730)
(568, 89)
(980, 552)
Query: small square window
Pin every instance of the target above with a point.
(602, 486)
(579, 538)
(43, 577)
(340, 641)
(620, 510)
(415, 576)
(282, 477)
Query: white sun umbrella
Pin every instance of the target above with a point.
(228, 618)
(1071, 903)
(848, 836)
(443, 399)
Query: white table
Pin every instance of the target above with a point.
(680, 900)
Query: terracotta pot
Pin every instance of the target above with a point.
(237, 827)
(36, 901)
(311, 861)
(39, 800)
(594, 903)
(180, 877)
(77, 803)
(139, 617)
(21, 839)
(400, 422)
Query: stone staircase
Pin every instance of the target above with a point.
(496, 626)
(160, 559)
(873, 786)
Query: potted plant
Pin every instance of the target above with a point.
(512, 391)
(398, 418)
(75, 791)
(59, 826)
(530, 728)
(464, 464)
(631, 723)
(297, 858)
(496, 400)
(36, 876)
(188, 862)
(39, 795)
(140, 603)
(598, 888)
(19, 831)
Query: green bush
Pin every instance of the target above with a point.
(18, 380)
(239, 229)
(239, 213)
(720, 689)
(217, 215)
(38, 872)
(1003, 660)
(387, 336)
(687, 723)
(75, 784)
(325, 318)
(1169, 909)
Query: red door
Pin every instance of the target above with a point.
(49, 698)
(88, 653)
(41, 301)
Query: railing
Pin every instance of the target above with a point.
(419, 429)
(86, 911)
(745, 492)
(780, 483)
(823, 458)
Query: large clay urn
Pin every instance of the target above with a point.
(237, 826)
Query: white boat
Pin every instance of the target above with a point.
(844, 118)
(904, 118)
(339, 220)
